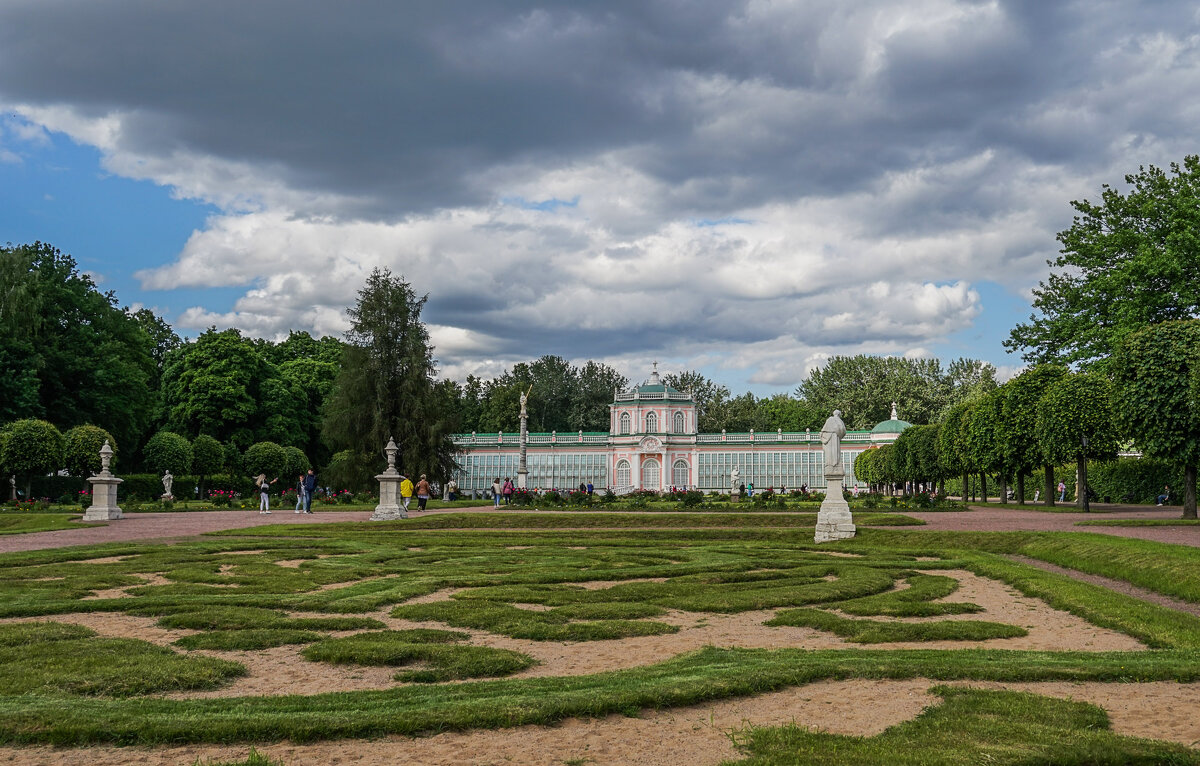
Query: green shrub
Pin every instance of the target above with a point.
(81, 449)
(167, 451)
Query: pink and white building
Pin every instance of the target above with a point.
(653, 443)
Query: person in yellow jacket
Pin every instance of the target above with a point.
(406, 492)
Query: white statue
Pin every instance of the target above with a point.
(168, 481)
(524, 399)
(894, 411)
(831, 442)
(735, 477)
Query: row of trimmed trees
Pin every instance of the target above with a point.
(31, 448)
(1048, 416)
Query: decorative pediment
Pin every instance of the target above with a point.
(649, 444)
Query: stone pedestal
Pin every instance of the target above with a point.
(834, 521)
(389, 508)
(104, 491)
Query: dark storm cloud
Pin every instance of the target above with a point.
(401, 107)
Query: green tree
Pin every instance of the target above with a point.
(297, 463)
(31, 448)
(386, 385)
(593, 393)
(866, 467)
(54, 325)
(1017, 427)
(984, 449)
(920, 453)
(1130, 261)
(865, 386)
(1156, 397)
(952, 442)
(208, 457)
(168, 451)
(81, 449)
(1075, 422)
(266, 458)
(789, 414)
(213, 385)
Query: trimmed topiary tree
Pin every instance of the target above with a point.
(208, 457)
(266, 458)
(1156, 396)
(1075, 423)
(167, 451)
(297, 463)
(1017, 428)
(31, 448)
(952, 453)
(984, 450)
(81, 449)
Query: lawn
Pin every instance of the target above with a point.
(19, 523)
(455, 614)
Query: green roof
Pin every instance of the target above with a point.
(891, 427)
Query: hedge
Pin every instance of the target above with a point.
(1126, 480)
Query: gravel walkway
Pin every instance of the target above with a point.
(981, 518)
(174, 526)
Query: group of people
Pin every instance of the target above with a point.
(306, 486)
(421, 489)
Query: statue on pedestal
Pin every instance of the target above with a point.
(168, 481)
(831, 442)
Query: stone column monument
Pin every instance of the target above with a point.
(834, 521)
(522, 470)
(389, 488)
(104, 491)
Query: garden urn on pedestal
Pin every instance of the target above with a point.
(104, 491)
(389, 488)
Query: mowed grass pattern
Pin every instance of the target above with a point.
(328, 591)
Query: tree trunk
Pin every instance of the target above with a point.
(1048, 492)
(1189, 492)
(1020, 488)
(966, 481)
(1003, 488)
(983, 487)
(1081, 487)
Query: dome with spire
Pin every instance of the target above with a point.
(653, 388)
(893, 426)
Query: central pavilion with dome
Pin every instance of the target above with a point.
(652, 443)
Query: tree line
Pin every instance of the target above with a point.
(72, 359)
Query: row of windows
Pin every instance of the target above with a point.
(769, 469)
(560, 470)
(681, 475)
(652, 423)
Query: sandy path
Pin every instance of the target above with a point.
(982, 518)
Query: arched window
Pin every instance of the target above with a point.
(623, 473)
(678, 422)
(651, 423)
(651, 474)
(626, 422)
(680, 475)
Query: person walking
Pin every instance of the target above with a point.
(1062, 491)
(422, 493)
(1165, 496)
(591, 489)
(406, 492)
(300, 493)
(452, 490)
(497, 488)
(310, 488)
(508, 490)
(264, 489)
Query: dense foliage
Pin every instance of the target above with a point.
(1129, 261)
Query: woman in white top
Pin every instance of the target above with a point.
(496, 492)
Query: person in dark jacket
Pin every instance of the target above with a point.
(310, 486)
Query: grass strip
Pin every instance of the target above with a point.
(969, 726)
(49, 662)
(507, 620)
(883, 632)
(707, 674)
(1173, 570)
(435, 648)
(246, 640)
(917, 600)
(21, 523)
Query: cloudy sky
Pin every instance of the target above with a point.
(741, 188)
